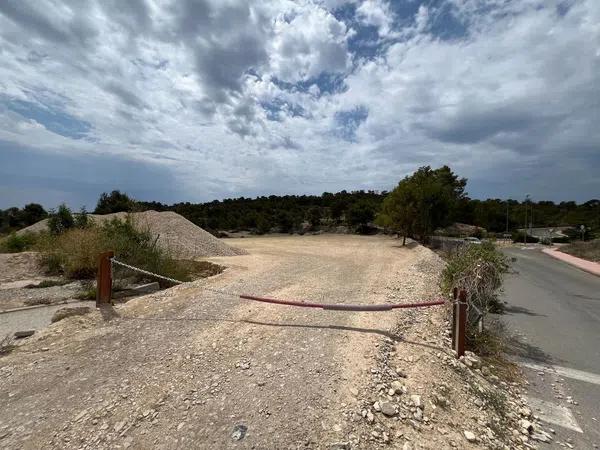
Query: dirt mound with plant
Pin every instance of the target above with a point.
(174, 233)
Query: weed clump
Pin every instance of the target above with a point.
(16, 243)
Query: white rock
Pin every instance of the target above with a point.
(469, 436)
(416, 400)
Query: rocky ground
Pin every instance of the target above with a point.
(196, 368)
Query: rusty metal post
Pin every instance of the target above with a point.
(104, 279)
(454, 313)
(460, 324)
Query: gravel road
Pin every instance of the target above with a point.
(191, 368)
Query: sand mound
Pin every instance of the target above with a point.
(175, 233)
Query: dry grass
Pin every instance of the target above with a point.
(589, 250)
(493, 345)
(7, 345)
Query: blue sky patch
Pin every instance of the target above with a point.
(347, 122)
(58, 122)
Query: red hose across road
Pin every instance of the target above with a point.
(342, 307)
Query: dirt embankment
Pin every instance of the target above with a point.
(196, 368)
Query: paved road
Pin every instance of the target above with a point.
(32, 319)
(556, 310)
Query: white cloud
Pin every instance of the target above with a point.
(376, 13)
(223, 94)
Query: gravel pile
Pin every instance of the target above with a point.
(176, 234)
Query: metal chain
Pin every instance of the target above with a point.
(172, 280)
(137, 269)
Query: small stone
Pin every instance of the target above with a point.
(469, 436)
(119, 426)
(388, 409)
(418, 415)
(526, 425)
(541, 437)
(24, 333)
(340, 446)
(398, 387)
(416, 400)
(354, 391)
(239, 431)
(376, 406)
(370, 417)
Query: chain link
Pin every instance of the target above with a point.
(172, 280)
(137, 269)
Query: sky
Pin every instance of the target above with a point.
(195, 100)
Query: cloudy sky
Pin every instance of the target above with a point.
(195, 100)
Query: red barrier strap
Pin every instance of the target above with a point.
(343, 307)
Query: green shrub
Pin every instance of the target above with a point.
(74, 253)
(61, 220)
(15, 243)
(479, 269)
(83, 220)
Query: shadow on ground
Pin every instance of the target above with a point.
(516, 347)
(512, 309)
(385, 333)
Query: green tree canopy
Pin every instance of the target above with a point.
(116, 201)
(423, 202)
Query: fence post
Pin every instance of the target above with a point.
(104, 279)
(453, 329)
(459, 322)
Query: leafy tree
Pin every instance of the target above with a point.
(32, 213)
(114, 202)
(423, 202)
(285, 221)
(359, 215)
(61, 220)
(314, 216)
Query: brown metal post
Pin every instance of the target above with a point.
(104, 279)
(460, 324)
(454, 314)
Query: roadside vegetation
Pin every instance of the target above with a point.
(479, 269)
(589, 250)
(73, 250)
(72, 243)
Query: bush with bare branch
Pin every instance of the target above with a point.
(479, 269)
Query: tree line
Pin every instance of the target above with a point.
(422, 202)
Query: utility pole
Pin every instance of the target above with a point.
(526, 201)
(506, 216)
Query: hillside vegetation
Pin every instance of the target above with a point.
(439, 191)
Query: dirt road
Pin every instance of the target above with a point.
(191, 368)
